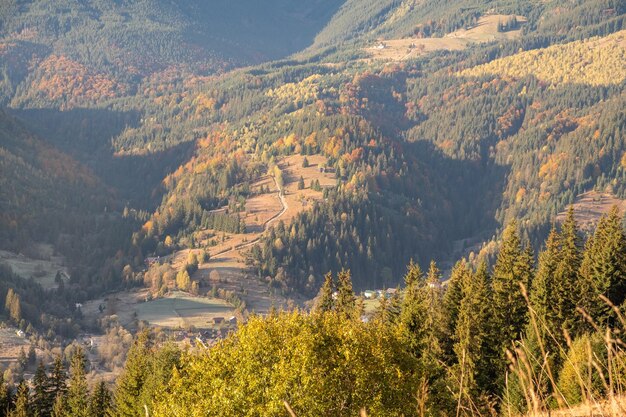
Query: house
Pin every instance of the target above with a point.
(390, 292)
(369, 294)
(381, 45)
(218, 320)
(20, 333)
(232, 320)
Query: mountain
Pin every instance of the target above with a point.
(100, 49)
(434, 139)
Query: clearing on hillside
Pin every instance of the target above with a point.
(486, 30)
(41, 270)
(590, 206)
(10, 345)
(180, 310)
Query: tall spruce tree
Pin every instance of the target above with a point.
(412, 314)
(544, 294)
(100, 401)
(471, 335)
(325, 300)
(58, 378)
(345, 303)
(128, 401)
(22, 401)
(603, 269)
(42, 399)
(567, 280)
(77, 398)
(452, 304)
(513, 269)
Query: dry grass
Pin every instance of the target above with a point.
(485, 31)
(10, 345)
(42, 270)
(591, 206)
(610, 370)
(181, 310)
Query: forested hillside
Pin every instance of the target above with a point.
(411, 144)
(86, 52)
(46, 196)
(252, 151)
(514, 338)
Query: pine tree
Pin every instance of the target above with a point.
(77, 394)
(452, 303)
(512, 270)
(345, 303)
(161, 366)
(5, 396)
(604, 268)
(325, 300)
(567, 280)
(42, 400)
(414, 275)
(413, 313)
(100, 401)
(58, 377)
(128, 393)
(58, 407)
(471, 336)
(435, 321)
(22, 401)
(544, 293)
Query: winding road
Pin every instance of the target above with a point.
(266, 225)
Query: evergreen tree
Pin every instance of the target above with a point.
(59, 407)
(413, 314)
(604, 266)
(471, 336)
(512, 270)
(452, 303)
(77, 394)
(161, 365)
(58, 377)
(544, 294)
(42, 399)
(128, 394)
(325, 300)
(567, 281)
(435, 322)
(100, 401)
(346, 301)
(413, 276)
(5, 396)
(22, 401)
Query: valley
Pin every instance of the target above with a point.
(336, 207)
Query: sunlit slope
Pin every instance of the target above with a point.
(596, 61)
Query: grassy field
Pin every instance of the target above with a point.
(485, 31)
(10, 346)
(183, 310)
(43, 271)
(590, 206)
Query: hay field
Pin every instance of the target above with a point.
(180, 309)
